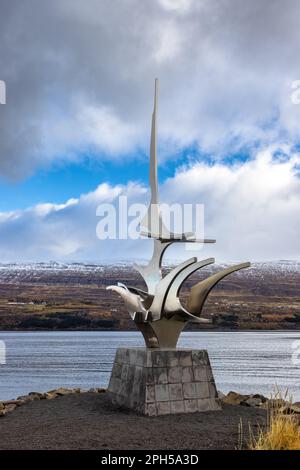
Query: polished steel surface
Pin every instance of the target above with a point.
(158, 312)
(172, 303)
(200, 291)
(152, 272)
(163, 286)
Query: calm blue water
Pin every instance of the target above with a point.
(242, 361)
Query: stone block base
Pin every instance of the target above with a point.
(163, 381)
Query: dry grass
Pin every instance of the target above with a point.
(282, 431)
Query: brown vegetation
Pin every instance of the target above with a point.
(283, 427)
(76, 299)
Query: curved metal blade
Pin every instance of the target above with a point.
(172, 302)
(163, 287)
(132, 301)
(200, 291)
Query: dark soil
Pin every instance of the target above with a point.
(89, 421)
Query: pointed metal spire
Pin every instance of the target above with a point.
(153, 151)
(152, 221)
(152, 224)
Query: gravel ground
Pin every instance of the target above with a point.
(89, 421)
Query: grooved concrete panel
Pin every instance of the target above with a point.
(163, 381)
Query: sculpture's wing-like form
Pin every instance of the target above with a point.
(172, 303)
(151, 273)
(163, 287)
(146, 298)
(132, 301)
(200, 291)
(135, 290)
(158, 312)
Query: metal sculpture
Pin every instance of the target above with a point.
(158, 312)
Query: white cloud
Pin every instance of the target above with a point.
(84, 80)
(44, 209)
(180, 6)
(168, 44)
(252, 209)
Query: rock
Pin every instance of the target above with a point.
(245, 403)
(295, 408)
(2, 412)
(233, 398)
(63, 391)
(97, 390)
(50, 396)
(26, 398)
(274, 404)
(254, 400)
(262, 397)
(10, 407)
(12, 402)
(265, 406)
(277, 403)
(37, 395)
(1, 406)
(221, 395)
(251, 402)
(290, 409)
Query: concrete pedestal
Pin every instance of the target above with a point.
(163, 381)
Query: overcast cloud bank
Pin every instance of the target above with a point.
(251, 209)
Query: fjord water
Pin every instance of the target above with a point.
(247, 362)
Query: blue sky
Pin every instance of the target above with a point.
(60, 182)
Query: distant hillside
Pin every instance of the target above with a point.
(73, 296)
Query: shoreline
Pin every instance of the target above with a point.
(89, 421)
(68, 419)
(51, 355)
